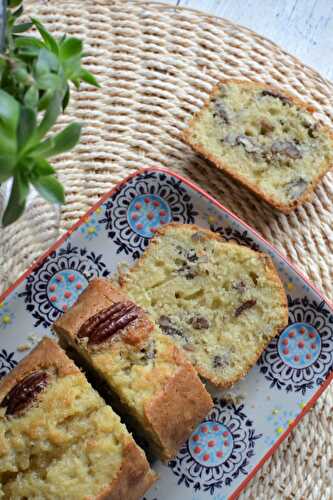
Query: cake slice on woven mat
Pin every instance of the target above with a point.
(268, 141)
(59, 440)
(221, 302)
(155, 383)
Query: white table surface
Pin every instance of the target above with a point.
(302, 27)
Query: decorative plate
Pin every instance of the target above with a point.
(235, 439)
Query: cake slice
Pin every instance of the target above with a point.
(59, 440)
(156, 385)
(267, 140)
(221, 302)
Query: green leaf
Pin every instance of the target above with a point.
(88, 77)
(27, 41)
(66, 98)
(14, 3)
(51, 114)
(22, 183)
(76, 82)
(49, 40)
(21, 75)
(49, 81)
(3, 67)
(18, 12)
(21, 28)
(9, 112)
(45, 99)
(46, 62)
(72, 68)
(9, 116)
(50, 188)
(64, 141)
(17, 200)
(31, 97)
(41, 149)
(7, 164)
(28, 53)
(42, 168)
(26, 126)
(70, 47)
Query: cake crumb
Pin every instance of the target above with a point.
(33, 337)
(23, 347)
(122, 269)
(231, 395)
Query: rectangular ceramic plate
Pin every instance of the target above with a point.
(233, 442)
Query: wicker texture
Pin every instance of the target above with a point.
(156, 65)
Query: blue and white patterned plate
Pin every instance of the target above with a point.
(235, 439)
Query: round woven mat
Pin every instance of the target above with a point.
(156, 65)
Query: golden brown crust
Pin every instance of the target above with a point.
(99, 295)
(285, 208)
(134, 477)
(173, 419)
(204, 233)
(270, 268)
(47, 354)
(92, 300)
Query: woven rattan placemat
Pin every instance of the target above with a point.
(156, 65)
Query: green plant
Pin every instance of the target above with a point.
(35, 77)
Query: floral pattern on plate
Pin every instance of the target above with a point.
(302, 356)
(218, 451)
(148, 201)
(55, 285)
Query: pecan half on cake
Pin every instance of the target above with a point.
(59, 440)
(143, 368)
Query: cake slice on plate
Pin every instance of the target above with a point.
(59, 440)
(220, 302)
(265, 139)
(143, 368)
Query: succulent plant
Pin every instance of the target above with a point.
(36, 74)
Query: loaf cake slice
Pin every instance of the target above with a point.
(154, 382)
(221, 302)
(268, 141)
(59, 440)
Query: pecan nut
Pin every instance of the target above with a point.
(221, 361)
(286, 148)
(296, 188)
(108, 322)
(221, 112)
(248, 144)
(188, 271)
(284, 99)
(167, 327)
(24, 393)
(199, 323)
(243, 307)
